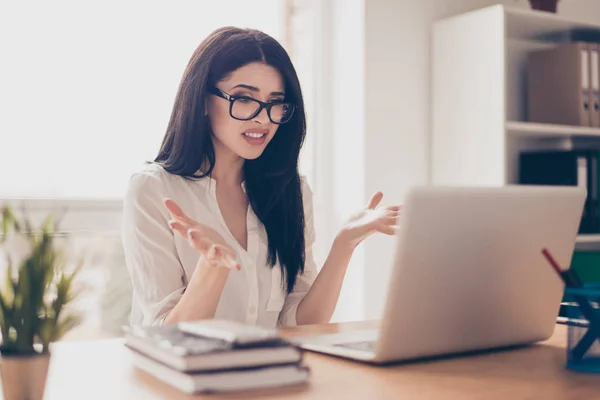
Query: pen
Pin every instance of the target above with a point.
(571, 280)
(568, 276)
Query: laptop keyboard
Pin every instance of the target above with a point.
(363, 346)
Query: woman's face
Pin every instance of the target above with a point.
(246, 139)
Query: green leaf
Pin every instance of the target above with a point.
(9, 288)
(12, 220)
(48, 225)
(28, 228)
(6, 317)
(5, 221)
(65, 324)
(45, 330)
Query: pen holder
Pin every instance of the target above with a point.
(583, 342)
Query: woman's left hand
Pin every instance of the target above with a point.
(370, 220)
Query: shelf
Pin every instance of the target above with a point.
(532, 24)
(588, 242)
(524, 128)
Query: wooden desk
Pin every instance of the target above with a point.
(102, 370)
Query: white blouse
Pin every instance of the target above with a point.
(161, 262)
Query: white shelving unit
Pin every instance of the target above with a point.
(479, 115)
(535, 129)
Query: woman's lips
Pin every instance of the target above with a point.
(256, 137)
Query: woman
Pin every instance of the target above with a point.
(220, 225)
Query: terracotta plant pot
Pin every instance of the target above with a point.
(544, 5)
(24, 377)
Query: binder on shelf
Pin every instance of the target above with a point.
(558, 84)
(594, 49)
(577, 35)
(566, 168)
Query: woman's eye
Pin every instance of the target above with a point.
(245, 100)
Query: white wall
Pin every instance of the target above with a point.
(343, 154)
(392, 123)
(396, 119)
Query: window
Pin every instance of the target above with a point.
(87, 88)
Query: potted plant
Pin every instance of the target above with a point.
(38, 287)
(544, 5)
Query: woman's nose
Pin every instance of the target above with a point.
(262, 117)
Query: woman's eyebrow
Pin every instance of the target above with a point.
(255, 89)
(244, 86)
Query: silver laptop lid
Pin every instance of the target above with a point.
(469, 273)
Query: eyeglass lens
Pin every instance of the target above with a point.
(245, 108)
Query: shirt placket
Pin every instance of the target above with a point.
(252, 277)
(247, 258)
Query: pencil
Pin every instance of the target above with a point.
(569, 277)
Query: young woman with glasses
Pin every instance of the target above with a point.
(220, 225)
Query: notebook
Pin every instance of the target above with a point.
(185, 351)
(223, 381)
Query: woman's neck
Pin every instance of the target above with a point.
(228, 169)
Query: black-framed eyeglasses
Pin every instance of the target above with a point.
(244, 108)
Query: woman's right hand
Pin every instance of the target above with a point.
(202, 238)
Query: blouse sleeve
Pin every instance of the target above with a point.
(287, 317)
(156, 273)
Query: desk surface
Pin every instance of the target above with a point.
(102, 370)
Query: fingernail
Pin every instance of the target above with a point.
(191, 233)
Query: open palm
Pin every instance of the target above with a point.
(202, 238)
(370, 220)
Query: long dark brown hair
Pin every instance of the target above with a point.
(272, 180)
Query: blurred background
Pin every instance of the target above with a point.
(86, 90)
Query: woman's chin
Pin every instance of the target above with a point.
(251, 152)
(251, 155)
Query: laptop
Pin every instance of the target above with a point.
(468, 273)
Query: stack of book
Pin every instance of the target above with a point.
(216, 356)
